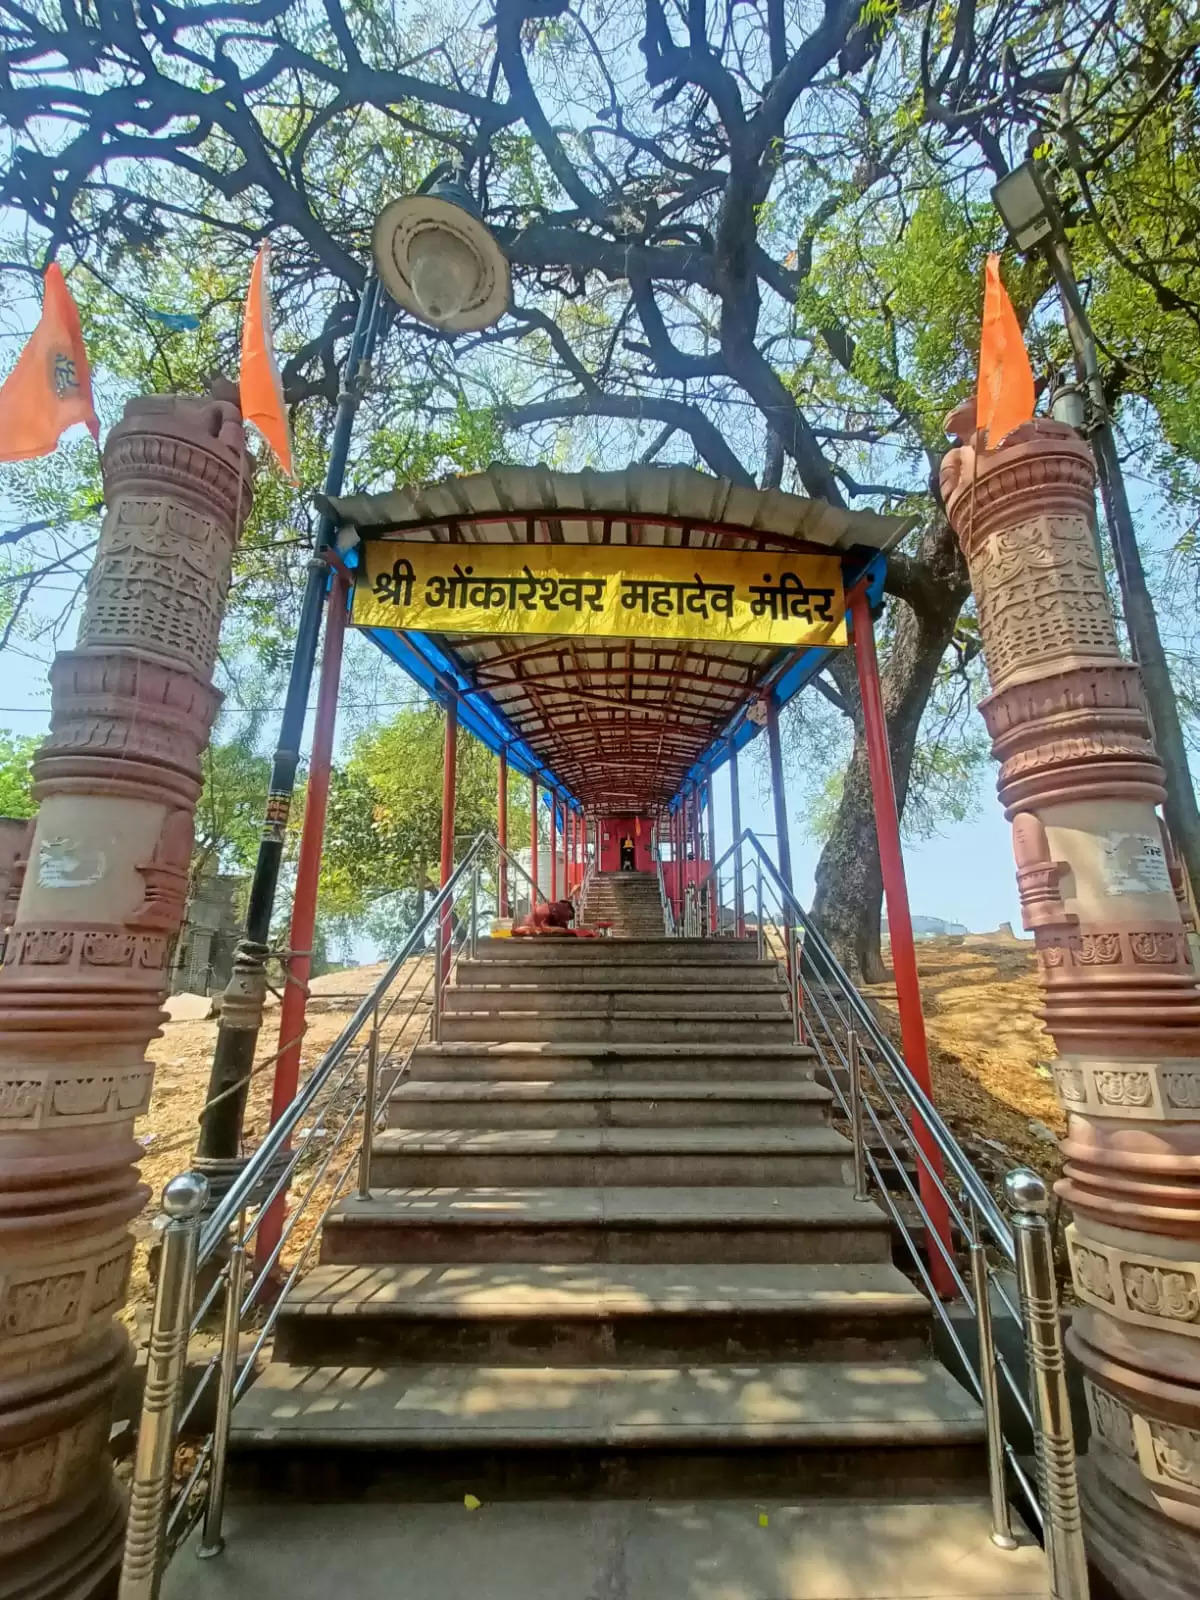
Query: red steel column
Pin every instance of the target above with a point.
(533, 840)
(713, 907)
(673, 838)
(449, 773)
(304, 905)
(735, 806)
(895, 893)
(554, 844)
(502, 834)
(783, 845)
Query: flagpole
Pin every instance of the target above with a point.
(242, 1004)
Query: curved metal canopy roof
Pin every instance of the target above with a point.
(619, 723)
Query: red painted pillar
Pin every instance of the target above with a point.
(502, 834)
(677, 853)
(711, 848)
(895, 893)
(304, 904)
(735, 807)
(449, 773)
(554, 844)
(783, 845)
(533, 839)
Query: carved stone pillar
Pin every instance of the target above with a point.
(1080, 780)
(86, 971)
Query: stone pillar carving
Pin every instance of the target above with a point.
(80, 992)
(1080, 781)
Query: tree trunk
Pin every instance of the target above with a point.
(849, 886)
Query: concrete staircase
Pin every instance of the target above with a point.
(611, 1266)
(630, 901)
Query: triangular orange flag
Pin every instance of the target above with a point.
(1004, 398)
(51, 385)
(261, 386)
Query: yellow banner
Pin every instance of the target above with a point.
(616, 591)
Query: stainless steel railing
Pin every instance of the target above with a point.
(903, 1152)
(317, 1153)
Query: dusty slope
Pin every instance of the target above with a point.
(990, 1054)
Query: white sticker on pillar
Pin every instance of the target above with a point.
(65, 864)
(1134, 863)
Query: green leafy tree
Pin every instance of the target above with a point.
(16, 753)
(229, 811)
(383, 837)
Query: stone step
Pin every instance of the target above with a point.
(532, 1313)
(790, 1546)
(512, 1430)
(631, 952)
(760, 1025)
(531, 1104)
(649, 900)
(635, 997)
(628, 1157)
(595, 971)
(580, 1061)
(654, 1225)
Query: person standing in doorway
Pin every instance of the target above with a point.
(627, 853)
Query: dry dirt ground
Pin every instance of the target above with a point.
(989, 1053)
(990, 1057)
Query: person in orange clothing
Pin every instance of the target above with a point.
(554, 921)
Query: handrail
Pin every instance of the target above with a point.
(888, 1112)
(344, 1093)
(514, 861)
(237, 1197)
(957, 1158)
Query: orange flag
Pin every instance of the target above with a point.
(261, 386)
(51, 385)
(1004, 398)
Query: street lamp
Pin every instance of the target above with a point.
(1027, 207)
(1026, 202)
(438, 259)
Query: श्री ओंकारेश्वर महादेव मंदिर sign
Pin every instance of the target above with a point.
(763, 597)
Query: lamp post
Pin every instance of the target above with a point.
(1027, 206)
(435, 257)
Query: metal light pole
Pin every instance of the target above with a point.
(242, 1004)
(434, 256)
(1027, 206)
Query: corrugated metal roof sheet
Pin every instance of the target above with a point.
(640, 492)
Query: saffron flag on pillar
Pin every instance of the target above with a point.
(50, 388)
(1004, 398)
(261, 385)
